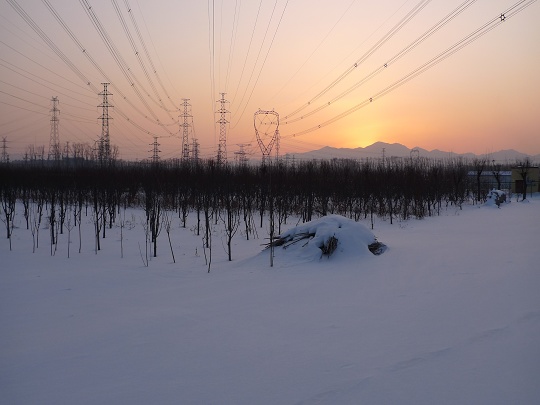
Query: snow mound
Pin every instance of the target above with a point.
(495, 198)
(328, 236)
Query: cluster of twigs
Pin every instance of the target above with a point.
(286, 241)
(327, 247)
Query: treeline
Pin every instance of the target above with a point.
(240, 196)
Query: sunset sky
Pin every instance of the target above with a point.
(320, 60)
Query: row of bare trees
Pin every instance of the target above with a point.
(239, 197)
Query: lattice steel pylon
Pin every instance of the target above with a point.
(187, 118)
(104, 146)
(194, 151)
(241, 157)
(4, 157)
(155, 151)
(222, 146)
(54, 140)
(266, 125)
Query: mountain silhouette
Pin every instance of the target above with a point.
(397, 150)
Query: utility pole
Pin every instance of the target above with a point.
(104, 147)
(222, 146)
(54, 141)
(186, 118)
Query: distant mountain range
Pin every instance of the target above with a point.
(389, 150)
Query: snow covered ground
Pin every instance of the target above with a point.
(449, 314)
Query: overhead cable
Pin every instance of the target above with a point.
(473, 36)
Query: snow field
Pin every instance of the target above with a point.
(449, 314)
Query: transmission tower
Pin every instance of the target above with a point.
(222, 147)
(66, 150)
(241, 157)
(104, 147)
(277, 145)
(195, 150)
(155, 151)
(54, 141)
(266, 125)
(5, 156)
(187, 118)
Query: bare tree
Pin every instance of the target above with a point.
(8, 199)
(496, 173)
(70, 224)
(167, 219)
(523, 167)
(36, 215)
(479, 165)
(230, 218)
(98, 212)
(146, 229)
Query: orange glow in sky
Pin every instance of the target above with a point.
(272, 55)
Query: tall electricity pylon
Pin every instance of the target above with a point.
(4, 158)
(155, 151)
(187, 118)
(194, 151)
(222, 146)
(277, 145)
(266, 125)
(54, 141)
(241, 157)
(104, 147)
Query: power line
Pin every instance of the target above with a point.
(256, 61)
(139, 59)
(50, 43)
(317, 47)
(113, 50)
(45, 68)
(145, 49)
(264, 61)
(99, 69)
(233, 41)
(22, 108)
(22, 99)
(393, 31)
(473, 36)
(41, 84)
(248, 51)
(212, 51)
(441, 23)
